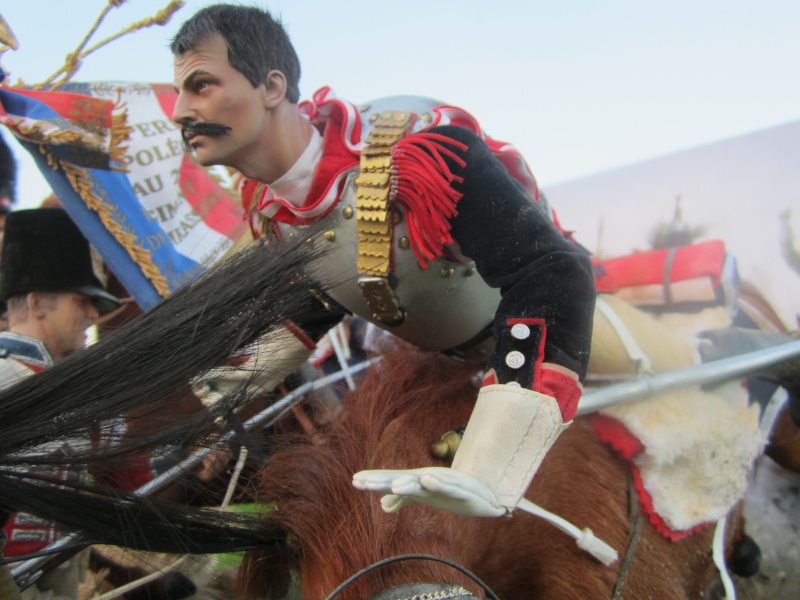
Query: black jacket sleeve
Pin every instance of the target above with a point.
(545, 279)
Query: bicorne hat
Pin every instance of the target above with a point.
(44, 251)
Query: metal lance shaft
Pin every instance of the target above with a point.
(712, 372)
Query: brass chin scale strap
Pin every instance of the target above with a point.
(373, 215)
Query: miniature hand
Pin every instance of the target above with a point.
(213, 385)
(446, 489)
(214, 463)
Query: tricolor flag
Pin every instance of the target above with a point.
(118, 166)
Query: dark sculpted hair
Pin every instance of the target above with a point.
(257, 43)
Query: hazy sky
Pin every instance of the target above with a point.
(579, 87)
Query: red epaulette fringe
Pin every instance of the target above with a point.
(422, 182)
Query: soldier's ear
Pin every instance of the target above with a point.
(36, 304)
(274, 89)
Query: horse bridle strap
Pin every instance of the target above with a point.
(636, 522)
(403, 557)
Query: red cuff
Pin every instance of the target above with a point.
(564, 387)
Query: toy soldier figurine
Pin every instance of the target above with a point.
(440, 234)
(51, 283)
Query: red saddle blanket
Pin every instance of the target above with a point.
(692, 273)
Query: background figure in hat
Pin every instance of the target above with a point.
(50, 282)
(50, 279)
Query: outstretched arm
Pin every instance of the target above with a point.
(545, 279)
(543, 329)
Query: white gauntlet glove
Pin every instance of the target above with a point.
(269, 361)
(508, 434)
(446, 489)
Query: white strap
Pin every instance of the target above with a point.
(585, 537)
(635, 352)
(341, 347)
(718, 552)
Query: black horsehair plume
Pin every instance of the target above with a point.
(8, 172)
(144, 362)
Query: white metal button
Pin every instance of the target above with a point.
(515, 359)
(520, 332)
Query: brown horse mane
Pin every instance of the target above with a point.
(403, 405)
(310, 485)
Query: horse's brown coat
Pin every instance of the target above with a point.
(406, 403)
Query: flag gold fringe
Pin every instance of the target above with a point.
(120, 133)
(80, 181)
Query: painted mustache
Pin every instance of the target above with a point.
(210, 129)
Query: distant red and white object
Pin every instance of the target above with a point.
(739, 189)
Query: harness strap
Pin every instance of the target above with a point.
(718, 553)
(667, 276)
(635, 352)
(633, 543)
(585, 538)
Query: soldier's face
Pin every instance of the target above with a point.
(67, 316)
(223, 117)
